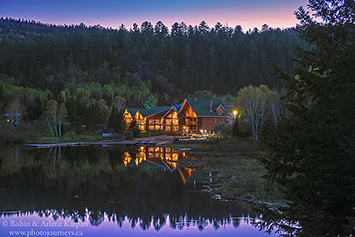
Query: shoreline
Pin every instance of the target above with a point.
(235, 176)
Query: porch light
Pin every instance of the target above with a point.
(235, 113)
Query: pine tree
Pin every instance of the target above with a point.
(313, 158)
(116, 120)
(133, 127)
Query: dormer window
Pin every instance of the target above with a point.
(220, 110)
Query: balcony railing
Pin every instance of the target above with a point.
(189, 122)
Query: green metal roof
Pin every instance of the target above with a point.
(148, 112)
(132, 111)
(175, 109)
(156, 110)
(205, 106)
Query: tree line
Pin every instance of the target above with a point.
(178, 60)
(91, 70)
(181, 59)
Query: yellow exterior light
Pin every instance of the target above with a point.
(235, 112)
(8, 120)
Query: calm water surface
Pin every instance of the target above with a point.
(111, 191)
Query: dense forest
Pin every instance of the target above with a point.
(169, 62)
(91, 69)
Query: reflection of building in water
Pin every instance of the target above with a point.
(185, 173)
(165, 157)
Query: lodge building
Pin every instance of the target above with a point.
(193, 116)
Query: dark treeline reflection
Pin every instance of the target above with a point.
(89, 183)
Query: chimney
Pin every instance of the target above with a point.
(211, 104)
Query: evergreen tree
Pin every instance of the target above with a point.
(313, 158)
(133, 127)
(116, 120)
(191, 58)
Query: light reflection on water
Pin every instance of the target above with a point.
(112, 191)
(162, 157)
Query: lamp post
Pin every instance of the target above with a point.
(235, 114)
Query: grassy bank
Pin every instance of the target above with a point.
(16, 134)
(236, 172)
(8, 135)
(13, 135)
(67, 138)
(155, 133)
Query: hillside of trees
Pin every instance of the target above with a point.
(91, 69)
(182, 59)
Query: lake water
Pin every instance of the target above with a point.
(112, 191)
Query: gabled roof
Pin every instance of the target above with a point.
(148, 112)
(221, 106)
(176, 109)
(154, 110)
(132, 111)
(205, 107)
(172, 108)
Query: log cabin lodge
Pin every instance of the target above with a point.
(192, 116)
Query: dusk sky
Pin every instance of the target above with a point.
(113, 13)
